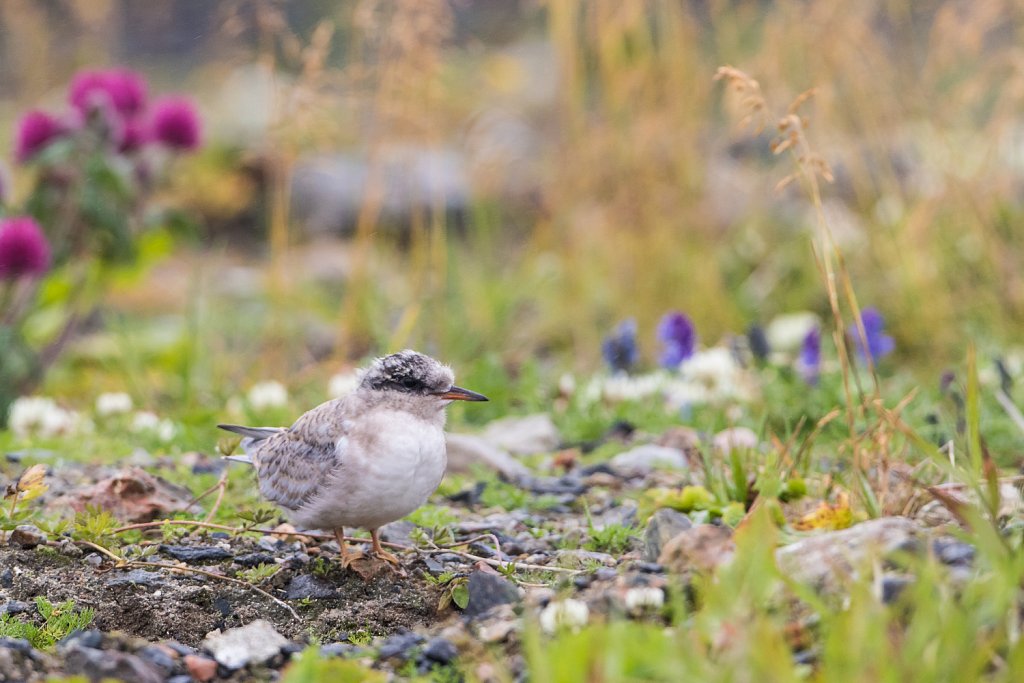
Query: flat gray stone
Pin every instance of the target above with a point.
(467, 450)
(523, 435)
(647, 458)
(312, 587)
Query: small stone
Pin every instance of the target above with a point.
(664, 525)
(94, 559)
(822, 559)
(89, 638)
(645, 459)
(270, 544)
(440, 650)
(7, 577)
(338, 650)
(180, 649)
(953, 552)
(137, 577)
(202, 669)
(575, 559)
(649, 568)
(254, 559)
(14, 607)
(100, 665)
(27, 536)
(398, 532)
(702, 548)
(524, 435)
(307, 586)
(893, 586)
(195, 553)
(256, 642)
(68, 548)
(486, 591)
(158, 656)
(399, 645)
(184, 678)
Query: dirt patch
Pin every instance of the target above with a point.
(185, 607)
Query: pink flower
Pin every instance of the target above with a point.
(134, 134)
(176, 123)
(123, 89)
(36, 130)
(24, 251)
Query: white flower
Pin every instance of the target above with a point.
(342, 384)
(566, 384)
(787, 332)
(41, 416)
(267, 395)
(717, 371)
(145, 421)
(113, 404)
(641, 598)
(567, 613)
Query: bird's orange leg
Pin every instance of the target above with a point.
(379, 551)
(346, 556)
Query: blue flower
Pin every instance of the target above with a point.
(879, 344)
(619, 348)
(808, 364)
(677, 333)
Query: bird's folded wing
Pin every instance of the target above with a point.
(292, 470)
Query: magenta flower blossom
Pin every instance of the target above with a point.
(24, 251)
(176, 124)
(36, 130)
(679, 336)
(122, 89)
(134, 134)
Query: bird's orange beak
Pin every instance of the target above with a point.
(460, 394)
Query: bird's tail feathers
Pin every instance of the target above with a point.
(254, 433)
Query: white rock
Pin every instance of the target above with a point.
(466, 450)
(644, 459)
(255, 643)
(523, 435)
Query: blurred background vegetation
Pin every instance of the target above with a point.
(502, 181)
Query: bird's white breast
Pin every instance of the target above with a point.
(391, 463)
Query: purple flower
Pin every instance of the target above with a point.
(879, 344)
(123, 89)
(808, 364)
(176, 124)
(619, 348)
(36, 130)
(24, 251)
(677, 333)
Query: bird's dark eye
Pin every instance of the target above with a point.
(410, 383)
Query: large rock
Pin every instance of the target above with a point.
(647, 458)
(253, 643)
(664, 525)
(825, 559)
(487, 591)
(132, 495)
(702, 548)
(467, 450)
(523, 435)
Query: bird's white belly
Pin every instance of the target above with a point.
(373, 489)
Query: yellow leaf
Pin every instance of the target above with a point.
(32, 478)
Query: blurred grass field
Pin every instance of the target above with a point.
(629, 185)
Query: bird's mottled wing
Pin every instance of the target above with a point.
(293, 465)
